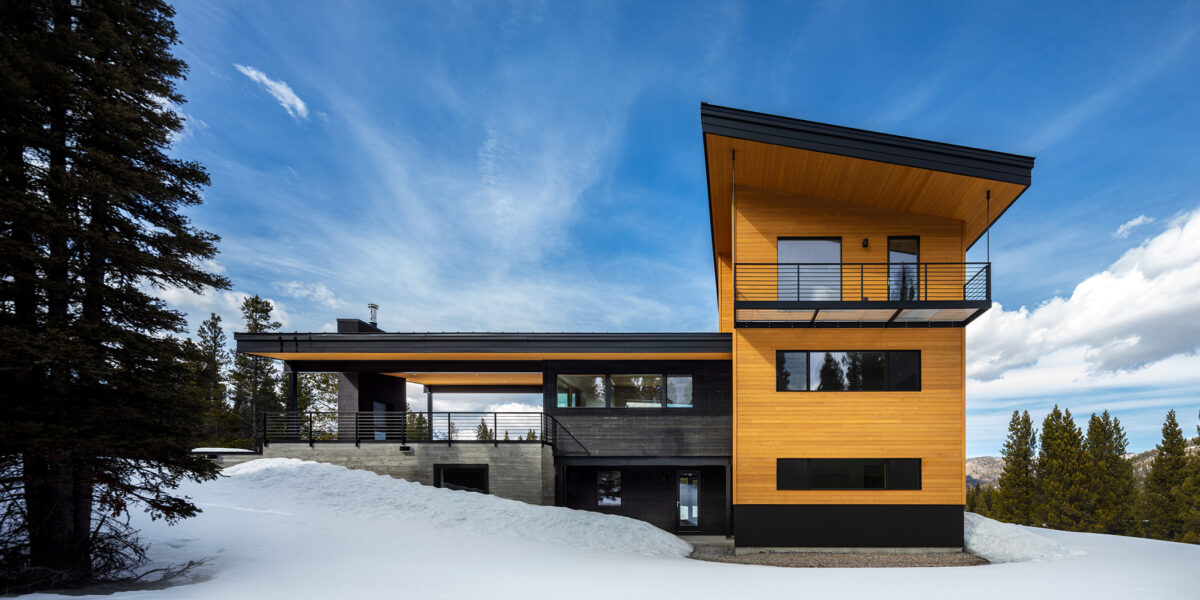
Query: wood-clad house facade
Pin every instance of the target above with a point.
(828, 410)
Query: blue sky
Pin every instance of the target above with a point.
(538, 167)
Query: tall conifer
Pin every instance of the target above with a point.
(1162, 508)
(257, 386)
(1112, 488)
(1017, 496)
(96, 392)
(1062, 474)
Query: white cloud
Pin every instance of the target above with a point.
(281, 91)
(1141, 310)
(316, 292)
(226, 303)
(1127, 227)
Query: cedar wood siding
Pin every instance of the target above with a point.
(929, 424)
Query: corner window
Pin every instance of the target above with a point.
(608, 488)
(582, 391)
(637, 391)
(679, 391)
(847, 370)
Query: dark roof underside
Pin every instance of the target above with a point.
(484, 342)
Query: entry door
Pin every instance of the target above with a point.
(689, 501)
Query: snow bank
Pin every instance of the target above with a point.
(336, 490)
(1003, 542)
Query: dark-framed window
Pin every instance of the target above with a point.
(808, 268)
(608, 488)
(904, 277)
(848, 371)
(465, 477)
(848, 473)
(620, 390)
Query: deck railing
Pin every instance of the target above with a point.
(419, 428)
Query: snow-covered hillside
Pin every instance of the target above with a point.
(281, 528)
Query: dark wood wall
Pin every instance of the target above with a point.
(649, 494)
(705, 429)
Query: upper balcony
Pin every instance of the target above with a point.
(860, 294)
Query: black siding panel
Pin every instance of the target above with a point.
(848, 525)
(649, 494)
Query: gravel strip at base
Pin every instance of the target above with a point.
(850, 560)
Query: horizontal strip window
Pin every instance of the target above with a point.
(848, 474)
(624, 391)
(848, 371)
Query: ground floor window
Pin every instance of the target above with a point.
(470, 478)
(608, 488)
(848, 474)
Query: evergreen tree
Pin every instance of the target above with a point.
(1113, 489)
(220, 426)
(1162, 509)
(506, 435)
(482, 432)
(418, 425)
(1189, 493)
(97, 398)
(316, 395)
(1062, 474)
(832, 377)
(256, 379)
(532, 436)
(1017, 498)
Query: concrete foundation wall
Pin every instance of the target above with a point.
(522, 472)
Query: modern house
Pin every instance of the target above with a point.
(828, 411)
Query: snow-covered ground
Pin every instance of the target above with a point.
(283, 528)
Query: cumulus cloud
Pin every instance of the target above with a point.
(316, 292)
(1127, 227)
(281, 91)
(1140, 310)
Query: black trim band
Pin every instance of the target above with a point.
(848, 525)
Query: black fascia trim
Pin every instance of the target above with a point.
(648, 461)
(859, 304)
(417, 343)
(868, 145)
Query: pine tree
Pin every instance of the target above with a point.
(1113, 489)
(1189, 493)
(532, 436)
(482, 432)
(97, 390)
(1062, 474)
(506, 435)
(1162, 508)
(418, 425)
(316, 395)
(1016, 500)
(832, 377)
(256, 379)
(220, 425)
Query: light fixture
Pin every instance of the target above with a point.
(864, 242)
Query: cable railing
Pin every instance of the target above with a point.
(419, 427)
(819, 283)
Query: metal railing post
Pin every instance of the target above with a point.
(311, 439)
(496, 430)
(927, 282)
(988, 277)
(356, 436)
(862, 292)
(404, 428)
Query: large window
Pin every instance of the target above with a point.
(848, 474)
(809, 269)
(608, 488)
(637, 391)
(627, 391)
(848, 370)
(582, 391)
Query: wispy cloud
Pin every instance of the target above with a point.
(281, 91)
(1125, 79)
(1127, 227)
(315, 292)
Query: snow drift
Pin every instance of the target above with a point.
(1003, 542)
(363, 494)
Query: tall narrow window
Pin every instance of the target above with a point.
(904, 282)
(791, 371)
(809, 269)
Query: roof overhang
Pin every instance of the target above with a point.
(814, 160)
(405, 352)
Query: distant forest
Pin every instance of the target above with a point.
(1066, 478)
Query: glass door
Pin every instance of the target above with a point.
(689, 501)
(904, 282)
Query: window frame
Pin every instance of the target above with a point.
(887, 374)
(892, 467)
(663, 404)
(620, 488)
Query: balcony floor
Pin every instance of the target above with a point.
(857, 314)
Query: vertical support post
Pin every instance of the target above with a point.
(449, 430)
(429, 411)
(495, 430)
(988, 277)
(404, 427)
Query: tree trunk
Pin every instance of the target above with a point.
(58, 509)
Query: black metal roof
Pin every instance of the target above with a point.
(869, 145)
(703, 342)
